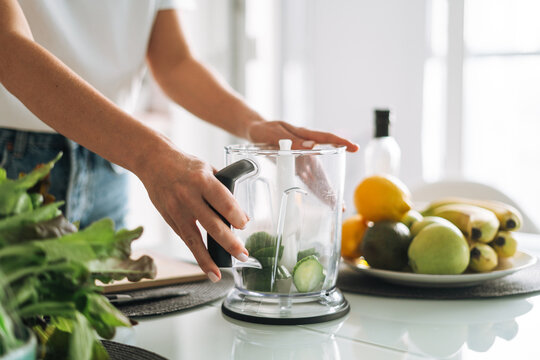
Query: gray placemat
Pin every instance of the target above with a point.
(200, 292)
(522, 282)
(118, 351)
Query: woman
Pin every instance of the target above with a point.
(70, 70)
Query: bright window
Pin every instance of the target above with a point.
(501, 107)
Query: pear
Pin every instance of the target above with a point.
(428, 220)
(439, 249)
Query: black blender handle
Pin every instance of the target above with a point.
(228, 177)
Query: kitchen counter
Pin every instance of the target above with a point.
(376, 328)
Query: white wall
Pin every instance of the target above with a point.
(367, 54)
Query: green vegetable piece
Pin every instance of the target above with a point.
(261, 279)
(307, 252)
(11, 227)
(103, 316)
(13, 196)
(260, 240)
(268, 252)
(283, 273)
(8, 339)
(22, 204)
(257, 279)
(267, 262)
(37, 200)
(308, 274)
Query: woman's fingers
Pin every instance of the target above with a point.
(222, 200)
(319, 137)
(185, 190)
(191, 236)
(219, 231)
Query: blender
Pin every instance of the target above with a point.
(294, 200)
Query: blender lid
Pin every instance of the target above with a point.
(266, 149)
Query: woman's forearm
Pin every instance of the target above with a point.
(192, 85)
(71, 106)
(200, 91)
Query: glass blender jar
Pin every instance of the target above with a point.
(294, 200)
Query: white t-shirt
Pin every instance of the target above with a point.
(103, 41)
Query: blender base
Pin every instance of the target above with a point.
(285, 310)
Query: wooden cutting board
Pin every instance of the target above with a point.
(169, 272)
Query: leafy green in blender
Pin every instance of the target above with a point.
(262, 246)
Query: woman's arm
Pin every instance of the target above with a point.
(178, 184)
(192, 85)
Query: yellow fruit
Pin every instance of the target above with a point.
(382, 197)
(352, 232)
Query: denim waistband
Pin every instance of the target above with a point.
(19, 140)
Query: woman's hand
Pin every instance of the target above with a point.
(182, 187)
(270, 132)
(308, 168)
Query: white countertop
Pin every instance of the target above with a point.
(376, 328)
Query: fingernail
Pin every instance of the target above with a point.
(242, 257)
(308, 143)
(244, 226)
(213, 277)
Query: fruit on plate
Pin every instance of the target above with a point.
(504, 244)
(483, 258)
(411, 217)
(352, 232)
(439, 249)
(428, 220)
(509, 217)
(476, 223)
(385, 245)
(382, 197)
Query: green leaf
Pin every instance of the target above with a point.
(31, 179)
(10, 227)
(103, 316)
(13, 196)
(53, 228)
(8, 340)
(117, 269)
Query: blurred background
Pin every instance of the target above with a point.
(461, 77)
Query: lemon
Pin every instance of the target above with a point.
(382, 197)
(352, 232)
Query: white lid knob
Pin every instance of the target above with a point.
(285, 144)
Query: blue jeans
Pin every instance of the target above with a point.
(91, 187)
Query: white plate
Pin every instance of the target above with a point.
(519, 261)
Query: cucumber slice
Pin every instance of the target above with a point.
(260, 240)
(308, 274)
(267, 252)
(305, 253)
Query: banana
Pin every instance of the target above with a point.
(504, 244)
(509, 217)
(476, 223)
(483, 258)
